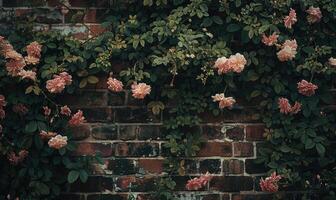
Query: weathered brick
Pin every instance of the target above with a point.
(252, 196)
(233, 166)
(151, 165)
(252, 167)
(212, 166)
(135, 115)
(128, 132)
(23, 3)
(89, 148)
(116, 98)
(106, 197)
(149, 132)
(216, 149)
(231, 183)
(85, 99)
(212, 132)
(81, 131)
(96, 29)
(234, 115)
(121, 166)
(100, 114)
(93, 184)
(136, 184)
(235, 132)
(137, 149)
(243, 149)
(255, 132)
(105, 131)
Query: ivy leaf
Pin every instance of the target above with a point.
(233, 28)
(320, 149)
(83, 175)
(92, 79)
(83, 83)
(73, 176)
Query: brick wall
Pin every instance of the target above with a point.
(130, 138)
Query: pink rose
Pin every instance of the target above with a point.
(47, 135)
(291, 19)
(270, 40)
(65, 110)
(286, 108)
(46, 110)
(140, 90)
(198, 183)
(314, 15)
(223, 101)
(235, 63)
(27, 74)
(77, 119)
(114, 85)
(58, 83)
(270, 184)
(306, 88)
(34, 49)
(288, 50)
(20, 109)
(58, 142)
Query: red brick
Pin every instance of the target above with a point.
(139, 149)
(96, 29)
(81, 132)
(90, 16)
(231, 183)
(233, 166)
(88, 148)
(21, 11)
(252, 196)
(243, 149)
(138, 184)
(216, 149)
(151, 165)
(255, 132)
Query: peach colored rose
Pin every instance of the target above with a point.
(77, 119)
(314, 15)
(114, 85)
(56, 85)
(2, 101)
(66, 77)
(291, 19)
(30, 60)
(286, 108)
(34, 49)
(332, 62)
(58, 142)
(306, 88)
(222, 66)
(27, 74)
(20, 109)
(65, 110)
(235, 63)
(223, 101)
(140, 90)
(198, 183)
(13, 66)
(288, 50)
(16, 159)
(270, 184)
(270, 40)
(46, 110)
(47, 135)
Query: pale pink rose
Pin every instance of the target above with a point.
(12, 54)
(222, 65)
(286, 108)
(198, 183)
(56, 85)
(288, 50)
(30, 60)
(291, 19)
(306, 88)
(66, 77)
(20, 109)
(27, 74)
(65, 110)
(114, 84)
(13, 67)
(58, 142)
(140, 90)
(34, 49)
(314, 15)
(2, 101)
(44, 135)
(270, 184)
(46, 110)
(2, 113)
(332, 62)
(16, 159)
(77, 119)
(224, 101)
(237, 62)
(270, 40)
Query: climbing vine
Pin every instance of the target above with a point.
(187, 58)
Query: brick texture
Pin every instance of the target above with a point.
(131, 139)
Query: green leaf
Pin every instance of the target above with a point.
(83, 83)
(31, 127)
(73, 176)
(233, 27)
(83, 176)
(92, 79)
(285, 148)
(320, 149)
